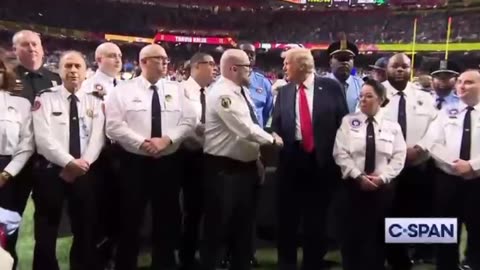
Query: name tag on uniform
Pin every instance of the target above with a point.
(56, 113)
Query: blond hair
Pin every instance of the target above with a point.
(302, 57)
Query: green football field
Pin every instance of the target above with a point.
(266, 256)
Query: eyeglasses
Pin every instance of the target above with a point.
(243, 65)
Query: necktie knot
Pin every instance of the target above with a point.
(73, 97)
(470, 108)
(401, 93)
(153, 87)
(114, 82)
(202, 90)
(370, 119)
(301, 87)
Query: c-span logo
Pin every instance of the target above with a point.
(421, 230)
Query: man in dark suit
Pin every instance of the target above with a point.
(308, 111)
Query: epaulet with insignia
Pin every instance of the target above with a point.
(44, 91)
(98, 91)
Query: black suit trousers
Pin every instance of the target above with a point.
(303, 197)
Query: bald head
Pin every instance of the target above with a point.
(468, 87)
(153, 62)
(109, 58)
(398, 69)
(152, 50)
(27, 46)
(235, 65)
(72, 70)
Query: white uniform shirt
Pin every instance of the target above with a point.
(16, 131)
(229, 129)
(420, 110)
(445, 137)
(192, 93)
(309, 92)
(350, 146)
(51, 123)
(129, 114)
(99, 82)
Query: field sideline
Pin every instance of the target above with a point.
(266, 256)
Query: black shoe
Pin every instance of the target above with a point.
(465, 265)
(254, 262)
(225, 263)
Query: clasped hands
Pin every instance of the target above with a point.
(370, 182)
(74, 169)
(155, 146)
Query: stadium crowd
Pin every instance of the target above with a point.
(372, 26)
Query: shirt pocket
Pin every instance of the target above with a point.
(357, 141)
(135, 110)
(385, 143)
(11, 126)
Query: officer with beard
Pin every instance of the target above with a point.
(414, 110)
(379, 69)
(342, 54)
(444, 79)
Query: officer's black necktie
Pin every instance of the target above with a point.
(440, 101)
(114, 82)
(402, 114)
(250, 108)
(370, 149)
(156, 113)
(74, 140)
(467, 135)
(203, 102)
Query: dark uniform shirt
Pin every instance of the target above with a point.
(35, 81)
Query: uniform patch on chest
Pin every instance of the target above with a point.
(226, 102)
(355, 123)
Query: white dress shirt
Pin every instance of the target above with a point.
(420, 110)
(129, 114)
(100, 82)
(16, 131)
(51, 124)
(350, 146)
(192, 93)
(229, 128)
(309, 92)
(445, 137)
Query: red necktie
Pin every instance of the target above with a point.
(305, 121)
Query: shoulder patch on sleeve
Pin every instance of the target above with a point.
(226, 102)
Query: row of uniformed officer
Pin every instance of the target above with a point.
(31, 78)
(109, 60)
(201, 72)
(16, 147)
(453, 143)
(370, 150)
(232, 141)
(149, 117)
(69, 133)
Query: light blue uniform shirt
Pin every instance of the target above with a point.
(353, 88)
(261, 95)
(450, 101)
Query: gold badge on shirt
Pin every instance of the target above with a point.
(168, 98)
(226, 102)
(89, 113)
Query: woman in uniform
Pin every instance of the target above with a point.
(16, 142)
(371, 152)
